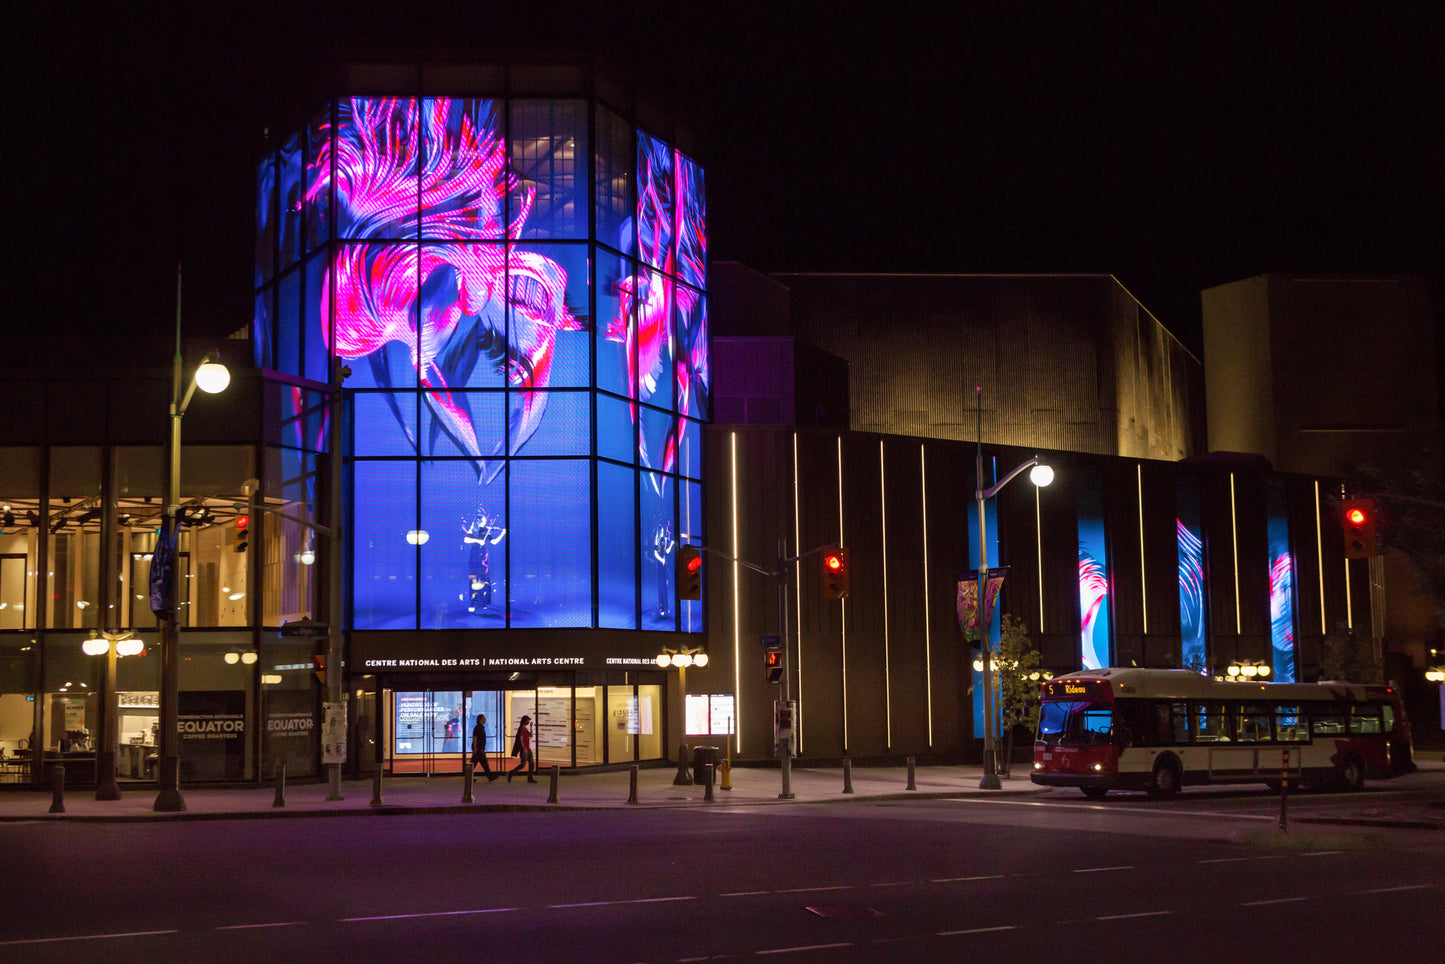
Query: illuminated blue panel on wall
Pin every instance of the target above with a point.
(551, 543)
(690, 615)
(1281, 584)
(498, 355)
(261, 338)
(990, 521)
(1094, 578)
(383, 561)
(1191, 575)
(616, 546)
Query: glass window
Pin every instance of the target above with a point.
(1211, 724)
(615, 329)
(656, 201)
(1365, 719)
(690, 533)
(288, 324)
(317, 202)
(1289, 725)
(317, 358)
(549, 153)
(659, 440)
(463, 311)
(464, 170)
(377, 153)
(291, 702)
(691, 221)
(547, 297)
(550, 521)
(265, 220)
(263, 338)
(385, 536)
(561, 423)
(616, 546)
(613, 170)
(1252, 724)
(653, 293)
(385, 423)
(373, 301)
(290, 192)
(694, 378)
(464, 560)
(616, 430)
(1327, 721)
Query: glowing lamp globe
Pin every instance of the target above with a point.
(213, 377)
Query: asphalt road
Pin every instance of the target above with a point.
(1200, 879)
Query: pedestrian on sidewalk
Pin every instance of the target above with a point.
(522, 749)
(479, 747)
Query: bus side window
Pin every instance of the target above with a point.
(1327, 721)
(1252, 724)
(1180, 714)
(1364, 719)
(1288, 727)
(1211, 724)
(1389, 714)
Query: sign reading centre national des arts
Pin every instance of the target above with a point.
(504, 651)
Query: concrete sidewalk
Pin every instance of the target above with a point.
(750, 786)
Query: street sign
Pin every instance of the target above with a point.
(304, 629)
(770, 642)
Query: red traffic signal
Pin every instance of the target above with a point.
(835, 573)
(688, 572)
(1359, 528)
(243, 532)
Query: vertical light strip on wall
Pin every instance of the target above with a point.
(1143, 563)
(1039, 554)
(1320, 560)
(887, 685)
(797, 593)
(843, 603)
(927, 629)
(737, 605)
(1234, 536)
(1349, 596)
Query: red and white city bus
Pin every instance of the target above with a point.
(1161, 729)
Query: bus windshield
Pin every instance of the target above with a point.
(1075, 724)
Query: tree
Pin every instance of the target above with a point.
(1348, 657)
(1016, 681)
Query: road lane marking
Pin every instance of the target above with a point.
(1105, 808)
(1225, 860)
(435, 913)
(245, 927)
(809, 947)
(613, 903)
(1100, 870)
(976, 930)
(746, 893)
(1277, 900)
(85, 937)
(955, 880)
(809, 890)
(1149, 913)
(1321, 853)
(892, 883)
(1392, 890)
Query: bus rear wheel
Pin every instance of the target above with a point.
(1094, 793)
(1165, 781)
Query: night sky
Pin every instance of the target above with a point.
(1176, 150)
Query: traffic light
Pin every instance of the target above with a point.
(835, 573)
(773, 663)
(689, 572)
(1359, 521)
(243, 532)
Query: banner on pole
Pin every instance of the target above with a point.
(968, 599)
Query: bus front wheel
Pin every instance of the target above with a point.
(1165, 781)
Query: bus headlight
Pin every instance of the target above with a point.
(1038, 766)
(1098, 767)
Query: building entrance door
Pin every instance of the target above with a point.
(430, 731)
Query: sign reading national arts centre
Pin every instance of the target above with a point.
(387, 653)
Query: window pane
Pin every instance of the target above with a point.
(549, 151)
(550, 543)
(614, 332)
(377, 152)
(464, 170)
(691, 223)
(616, 433)
(372, 300)
(384, 423)
(265, 220)
(616, 546)
(547, 298)
(290, 190)
(655, 202)
(464, 562)
(384, 577)
(317, 201)
(613, 166)
(566, 427)
(694, 375)
(463, 312)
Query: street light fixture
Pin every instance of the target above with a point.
(1040, 475)
(109, 645)
(211, 377)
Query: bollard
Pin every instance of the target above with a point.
(911, 785)
(632, 785)
(467, 786)
(725, 772)
(280, 800)
(847, 776)
(707, 782)
(376, 787)
(684, 777)
(57, 805)
(1284, 794)
(552, 793)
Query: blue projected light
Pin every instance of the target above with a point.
(526, 403)
(1281, 585)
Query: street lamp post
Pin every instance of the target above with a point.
(1041, 475)
(211, 377)
(110, 645)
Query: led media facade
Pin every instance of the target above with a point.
(1096, 650)
(1281, 584)
(1191, 575)
(526, 396)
